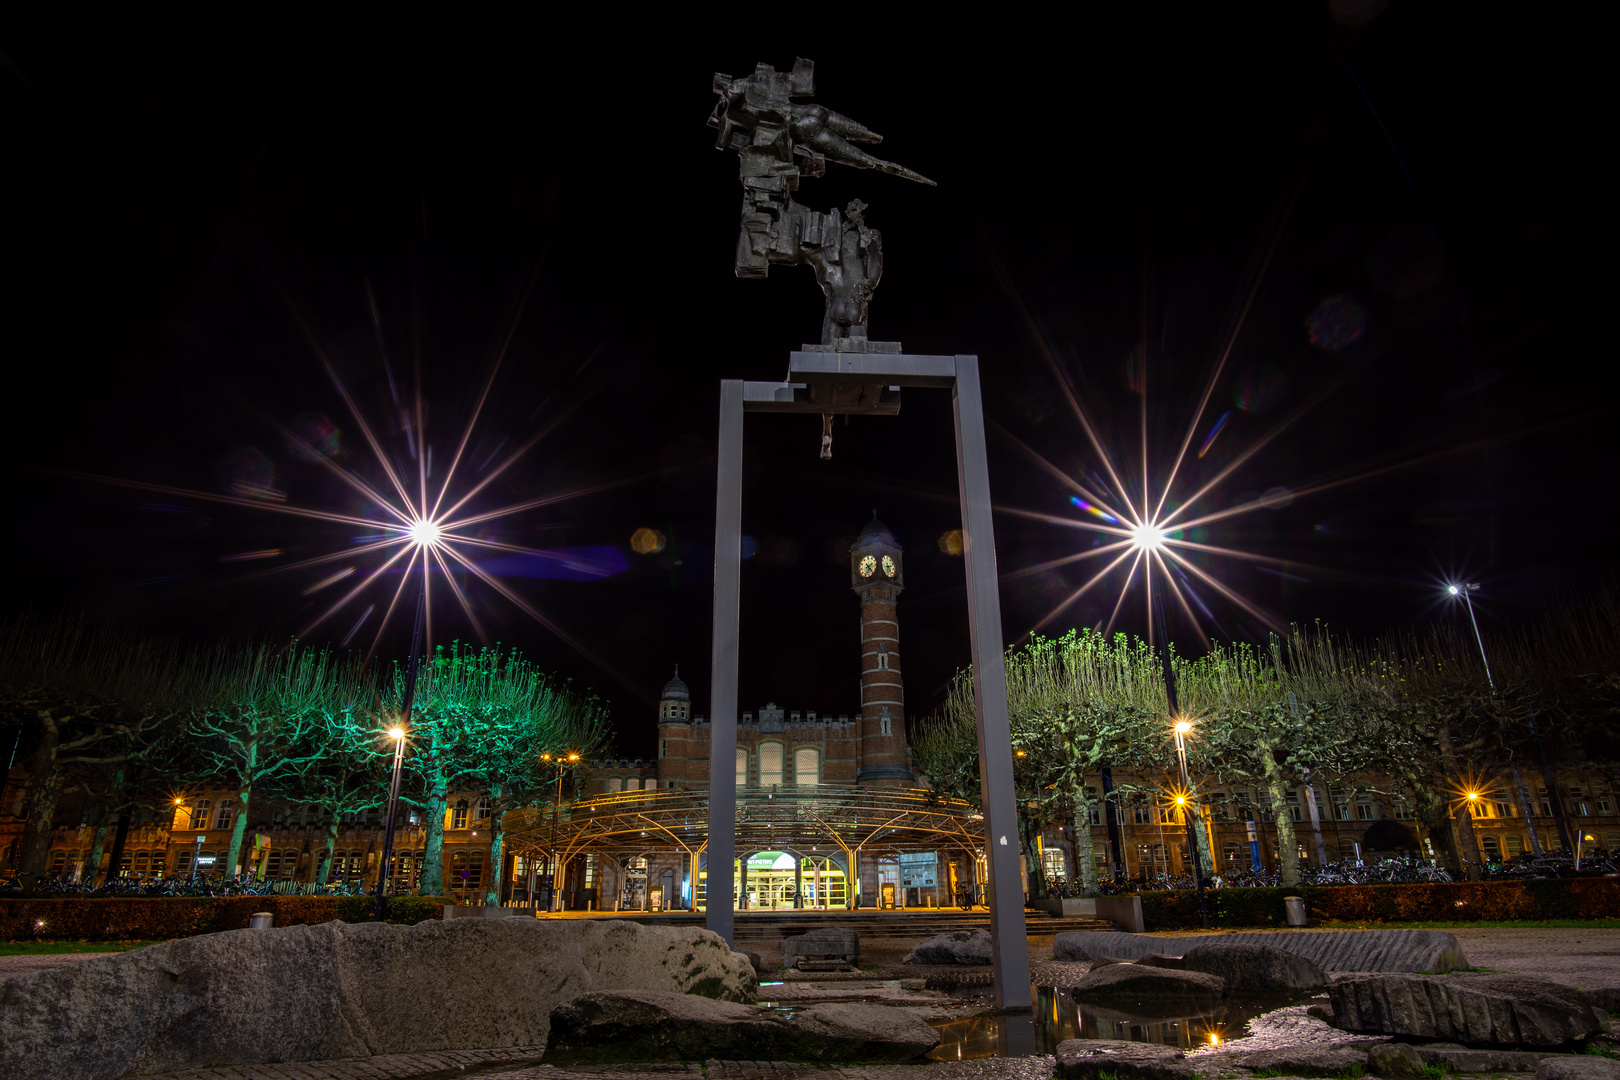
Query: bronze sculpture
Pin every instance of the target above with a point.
(778, 140)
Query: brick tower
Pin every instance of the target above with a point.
(877, 574)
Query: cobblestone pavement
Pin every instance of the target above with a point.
(1577, 957)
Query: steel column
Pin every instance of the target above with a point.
(1009, 940)
(723, 670)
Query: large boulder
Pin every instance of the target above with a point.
(302, 993)
(1070, 947)
(961, 947)
(613, 1026)
(1503, 1010)
(1256, 969)
(1090, 1059)
(1132, 980)
(823, 943)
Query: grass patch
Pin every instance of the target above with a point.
(1523, 924)
(1437, 1071)
(1266, 1074)
(1597, 1049)
(49, 948)
(1354, 1072)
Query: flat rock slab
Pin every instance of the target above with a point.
(311, 993)
(1251, 968)
(1306, 1061)
(1133, 981)
(1429, 951)
(1464, 1060)
(1578, 1068)
(962, 947)
(1088, 1059)
(1502, 1010)
(615, 1026)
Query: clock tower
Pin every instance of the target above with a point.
(877, 574)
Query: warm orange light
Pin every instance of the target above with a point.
(396, 733)
(545, 757)
(573, 757)
(1020, 753)
(1181, 800)
(1472, 796)
(1182, 727)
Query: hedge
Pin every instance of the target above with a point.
(156, 919)
(1464, 901)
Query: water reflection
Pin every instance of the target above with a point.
(1184, 1022)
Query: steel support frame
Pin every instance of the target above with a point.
(959, 374)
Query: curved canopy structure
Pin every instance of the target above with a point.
(874, 822)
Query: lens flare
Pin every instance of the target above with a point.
(1088, 508)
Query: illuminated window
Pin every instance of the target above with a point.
(807, 766)
(770, 764)
(742, 767)
(199, 814)
(458, 816)
(1514, 845)
(227, 811)
(1053, 863)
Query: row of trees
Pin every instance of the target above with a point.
(133, 722)
(1420, 713)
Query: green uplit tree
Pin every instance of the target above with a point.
(482, 719)
(266, 724)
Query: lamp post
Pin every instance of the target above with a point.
(1464, 590)
(563, 761)
(397, 733)
(1186, 805)
(1579, 845)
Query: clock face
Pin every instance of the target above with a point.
(869, 566)
(888, 566)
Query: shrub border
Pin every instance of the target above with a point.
(161, 918)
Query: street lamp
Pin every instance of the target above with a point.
(1579, 844)
(563, 761)
(396, 733)
(1465, 590)
(1181, 729)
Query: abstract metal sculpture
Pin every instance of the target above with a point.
(778, 141)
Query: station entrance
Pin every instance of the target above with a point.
(778, 880)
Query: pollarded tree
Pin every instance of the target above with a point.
(266, 723)
(85, 699)
(481, 720)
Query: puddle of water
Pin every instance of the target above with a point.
(1187, 1023)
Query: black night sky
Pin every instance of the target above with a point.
(195, 217)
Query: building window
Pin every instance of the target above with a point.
(467, 870)
(1490, 849)
(663, 748)
(182, 862)
(883, 657)
(1096, 814)
(458, 815)
(1053, 862)
(1514, 845)
(1231, 853)
(199, 814)
(482, 811)
(227, 810)
(1293, 804)
(742, 767)
(807, 766)
(770, 764)
(614, 785)
(1506, 810)
(1141, 815)
(632, 783)
(885, 723)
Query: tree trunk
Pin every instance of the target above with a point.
(92, 861)
(497, 834)
(1287, 842)
(1029, 832)
(244, 799)
(41, 796)
(1085, 856)
(323, 861)
(119, 839)
(1462, 819)
(1432, 812)
(1206, 846)
(433, 847)
(1316, 820)
(1529, 811)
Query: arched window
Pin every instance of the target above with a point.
(885, 722)
(482, 811)
(458, 816)
(632, 783)
(742, 767)
(883, 657)
(614, 785)
(1515, 845)
(807, 766)
(770, 764)
(1489, 848)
